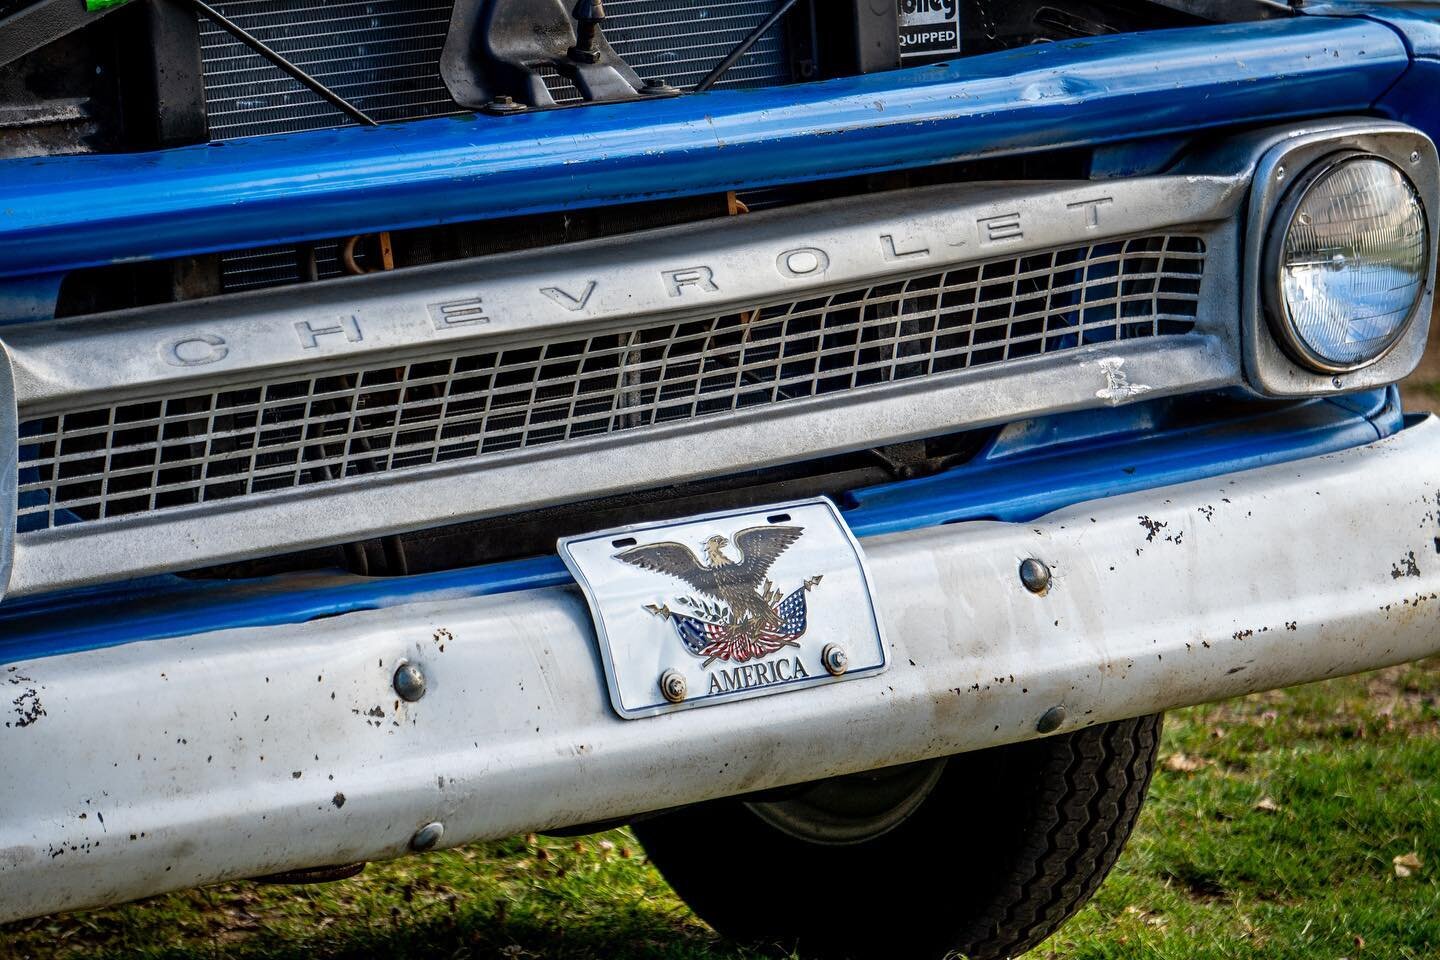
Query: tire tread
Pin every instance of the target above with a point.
(1101, 775)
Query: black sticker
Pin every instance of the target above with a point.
(929, 27)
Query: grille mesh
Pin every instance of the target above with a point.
(381, 55)
(251, 439)
(384, 56)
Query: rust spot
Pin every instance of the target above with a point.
(28, 709)
(338, 800)
(1407, 567)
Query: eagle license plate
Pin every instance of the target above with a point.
(728, 606)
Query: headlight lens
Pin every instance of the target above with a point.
(1351, 265)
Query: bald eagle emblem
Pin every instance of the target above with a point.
(739, 615)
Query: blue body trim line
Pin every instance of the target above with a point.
(1412, 99)
(61, 213)
(1055, 462)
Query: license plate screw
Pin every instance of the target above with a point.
(834, 660)
(673, 686)
(409, 682)
(1035, 575)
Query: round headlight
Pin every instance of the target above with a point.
(1349, 255)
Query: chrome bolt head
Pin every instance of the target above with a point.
(409, 681)
(1414, 156)
(427, 836)
(834, 660)
(1050, 720)
(1035, 575)
(673, 686)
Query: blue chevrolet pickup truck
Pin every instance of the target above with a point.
(824, 435)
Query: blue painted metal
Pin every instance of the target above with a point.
(60, 213)
(1412, 100)
(1138, 158)
(1073, 463)
(1026, 473)
(1418, 21)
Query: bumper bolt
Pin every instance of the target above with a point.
(501, 106)
(409, 682)
(1050, 720)
(673, 686)
(834, 660)
(426, 837)
(1035, 575)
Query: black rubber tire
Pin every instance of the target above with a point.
(1010, 843)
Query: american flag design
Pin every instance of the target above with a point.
(741, 643)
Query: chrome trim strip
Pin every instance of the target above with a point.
(9, 474)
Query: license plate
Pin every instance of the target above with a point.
(727, 606)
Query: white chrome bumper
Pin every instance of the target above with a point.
(171, 763)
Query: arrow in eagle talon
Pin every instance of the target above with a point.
(662, 610)
(813, 582)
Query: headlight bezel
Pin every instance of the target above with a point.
(1277, 306)
(1269, 369)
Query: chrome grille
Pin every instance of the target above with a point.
(255, 438)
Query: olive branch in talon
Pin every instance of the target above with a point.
(715, 612)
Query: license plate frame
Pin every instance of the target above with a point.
(713, 631)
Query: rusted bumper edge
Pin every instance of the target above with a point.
(153, 766)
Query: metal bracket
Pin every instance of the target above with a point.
(501, 48)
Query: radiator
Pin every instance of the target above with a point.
(383, 56)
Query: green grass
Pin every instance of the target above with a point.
(1349, 771)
